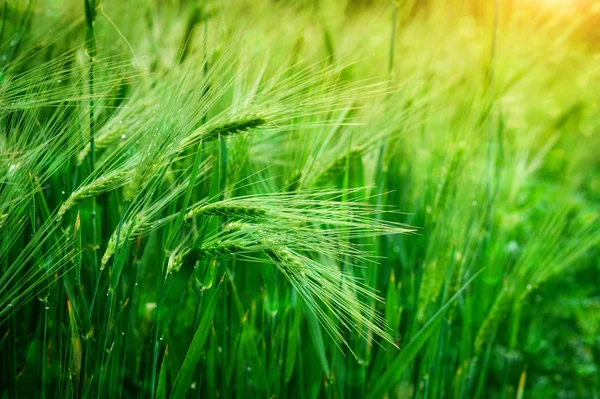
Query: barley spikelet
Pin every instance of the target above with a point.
(336, 292)
(235, 226)
(217, 250)
(193, 255)
(237, 126)
(230, 211)
(112, 242)
(283, 255)
(101, 185)
(498, 310)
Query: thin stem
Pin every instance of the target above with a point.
(90, 48)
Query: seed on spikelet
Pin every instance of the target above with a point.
(238, 125)
(112, 242)
(98, 186)
(243, 124)
(231, 211)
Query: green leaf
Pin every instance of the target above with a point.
(186, 372)
(256, 369)
(314, 329)
(292, 344)
(175, 290)
(396, 368)
(161, 390)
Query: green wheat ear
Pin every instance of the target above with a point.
(281, 226)
(240, 211)
(243, 124)
(102, 184)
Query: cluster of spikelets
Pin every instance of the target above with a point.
(31, 152)
(305, 234)
(143, 151)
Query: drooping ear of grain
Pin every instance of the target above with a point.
(241, 125)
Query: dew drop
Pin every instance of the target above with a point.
(512, 246)
(248, 368)
(474, 203)
(123, 136)
(528, 286)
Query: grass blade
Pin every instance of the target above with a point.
(186, 372)
(396, 368)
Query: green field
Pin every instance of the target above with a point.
(299, 199)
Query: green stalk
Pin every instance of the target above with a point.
(44, 350)
(118, 262)
(129, 323)
(12, 358)
(91, 51)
